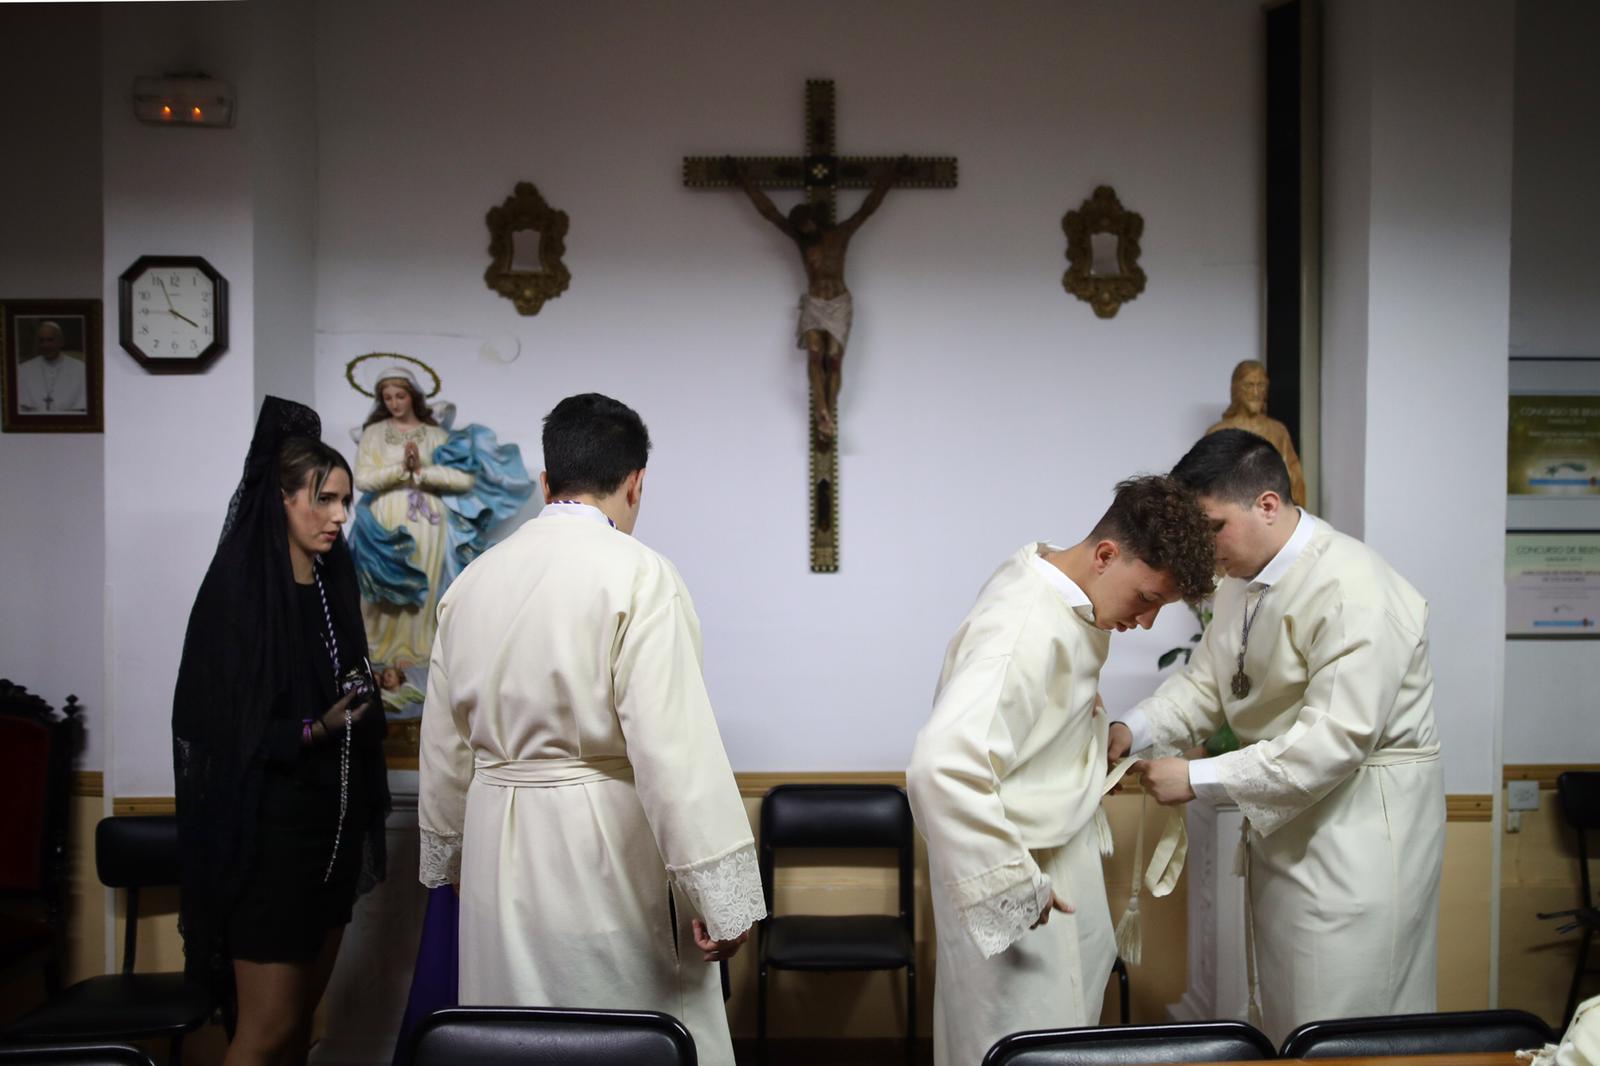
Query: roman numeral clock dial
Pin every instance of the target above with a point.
(174, 313)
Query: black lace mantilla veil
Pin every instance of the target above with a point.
(241, 640)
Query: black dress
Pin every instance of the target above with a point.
(286, 908)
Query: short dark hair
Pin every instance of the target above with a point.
(1160, 522)
(299, 457)
(1235, 466)
(591, 444)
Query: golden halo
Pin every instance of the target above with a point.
(350, 372)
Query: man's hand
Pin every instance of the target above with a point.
(716, 950)
(1166, 780)
(1118, 741)
(1056, 904)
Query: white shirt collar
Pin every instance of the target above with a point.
(1274, 571)
(1069, 589)
(576, 510)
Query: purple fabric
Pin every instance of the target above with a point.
(434, 982)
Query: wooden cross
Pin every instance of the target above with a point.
(821, 173)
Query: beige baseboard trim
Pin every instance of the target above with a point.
(1544, 773)
(1467, 807)
(144, 805)
(88, 783)
(755, 784)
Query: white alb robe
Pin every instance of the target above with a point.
(574, 784)
(1338, 777)
(1005, 782)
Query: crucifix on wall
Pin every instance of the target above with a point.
(825, 309)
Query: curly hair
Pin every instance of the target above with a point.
(1160, 521)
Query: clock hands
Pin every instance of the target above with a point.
(173, 310)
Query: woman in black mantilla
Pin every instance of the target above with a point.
(280, 780)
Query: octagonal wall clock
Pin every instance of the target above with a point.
(173, 313)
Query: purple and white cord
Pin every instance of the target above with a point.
(332, 643)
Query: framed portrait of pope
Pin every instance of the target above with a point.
(51, 376)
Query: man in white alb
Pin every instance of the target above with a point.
(573, 782)
(1317, 656)
(1006, 777)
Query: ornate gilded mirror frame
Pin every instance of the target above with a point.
(525, 211)
(1104, 291)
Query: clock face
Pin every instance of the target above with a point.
(174, 313)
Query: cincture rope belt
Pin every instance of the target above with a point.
(550, 773)
(1241, 867)
(1160, 877)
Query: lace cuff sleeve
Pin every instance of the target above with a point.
(440, 862)
(725, 890)
(1001, 920)
(1166, 732)
(1267, 795)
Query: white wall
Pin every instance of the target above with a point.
(52, 522)
(175, 444)
(1555, 276)
(982, 406)
(1436, 214)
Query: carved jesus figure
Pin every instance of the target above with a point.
(1248, 411)
(825, 309)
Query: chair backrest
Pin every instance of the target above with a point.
(838, 816)
(1453, 1033)
(137, 850)
(490, 1036)
(1579, 791)
(75, 1055)
(1177, 1042)
(134, 851)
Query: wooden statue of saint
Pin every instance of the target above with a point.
(825, 309)
(1248, 411)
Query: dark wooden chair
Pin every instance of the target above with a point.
(37, 751)
(1126, 1045)
(838, 816)
(1579, 794)
(490, 1036)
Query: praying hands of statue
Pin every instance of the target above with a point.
(716, 950)
(1165, 780)
(1056, 904)
(413, 457)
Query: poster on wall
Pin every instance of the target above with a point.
(1553, 445)
(1552, 584)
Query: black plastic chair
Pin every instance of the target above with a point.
(1579, 793)
(837, 816)
(491, 1036)
(1120, 968)
(1175, 1042)
(74, 1055)
(131, 852)
(1453, 1033)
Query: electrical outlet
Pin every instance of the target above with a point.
(1522, 795)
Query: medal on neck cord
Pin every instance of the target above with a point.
(1241, 680)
